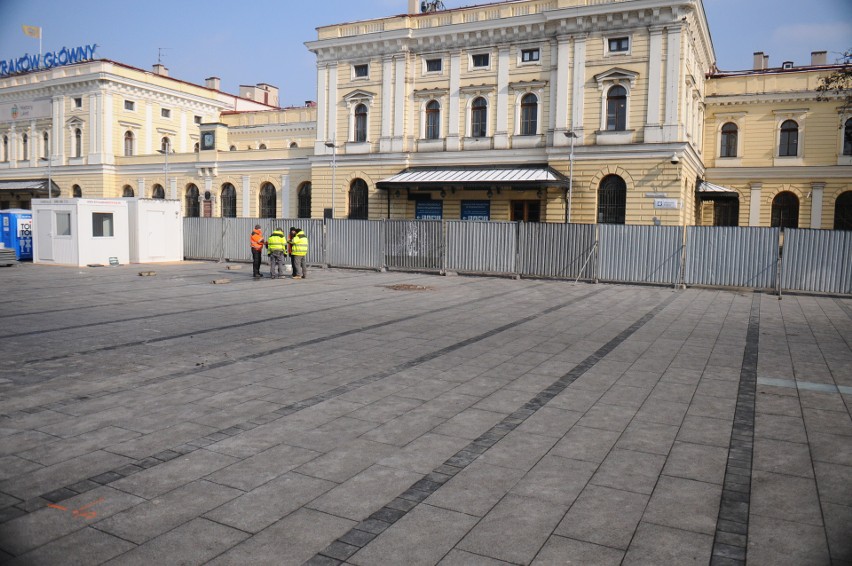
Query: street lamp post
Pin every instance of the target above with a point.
(570, 134)
(167, 148)
(333, 147)
(49, 158)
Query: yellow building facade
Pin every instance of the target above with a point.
(530, 110)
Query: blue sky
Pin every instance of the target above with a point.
(263, 40)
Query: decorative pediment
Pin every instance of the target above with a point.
(477, 90)
(527, 86)
(74, 122)
(616, 76)
(359, 96)
(431, 93)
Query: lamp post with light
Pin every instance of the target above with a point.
(167, 149)
(49, 158)
(333, 147)
(572, 135)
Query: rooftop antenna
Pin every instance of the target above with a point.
(160, 54)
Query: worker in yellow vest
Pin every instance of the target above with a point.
(298, 250)
(276, 243)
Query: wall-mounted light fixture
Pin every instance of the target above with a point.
(490, 193)
(443, 193)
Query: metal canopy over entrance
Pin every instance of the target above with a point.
(33, 188)
(432, 178)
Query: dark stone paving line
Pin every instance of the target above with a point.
(138, 465)
(731, 540)
(363, 533)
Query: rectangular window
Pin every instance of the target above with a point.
(129, 105)
(197, 119)
(434, 65)
(63, 223)
(530, 55)
(619, 44)
(78, 102)
(165, 113)
(360, 71)
(102, 226)
(480, 61)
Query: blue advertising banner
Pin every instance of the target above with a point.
(429, 210)
(476, 210)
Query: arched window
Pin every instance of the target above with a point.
(76, 191)
(196, 148)
(233, 148)
(729, 140)
(616, 109)
(847, 137)
(360, 123)
(294, 145)
(268, 205)
(78, 142)
(529, 115)
(262, 146)
(193, 206)
(789, 146)
(479, 118)
(785, 210)
(45, 152)
(128, 143)
(165, 145)
(433, 120)
(25, 139)
(305, 200)
(843, 211)
(612, 200)
(127, 192)
(358, 200)
(229, 201)
(5, 148)
(158, 192)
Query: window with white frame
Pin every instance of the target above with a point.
(788, 145)
(434, 65)
(196, 119)
(165, 113)
(360, 132)
(25, 147)
(479, 118)
(78, 102)
(529, 115)
(361, 71)
(730, 137)
(78, 142)
(130, 105)
(102, 225)
(5, 148)
(618, 44)
(480, 60)
(616, 109)
(128, 143)
(532, 55)
(847, 137)
(45, 145)
(433, 120)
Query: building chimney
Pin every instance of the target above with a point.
(160, 69)
(766, 61)
(413, 6)
(819, 58)
(212, 83)
(758, 61)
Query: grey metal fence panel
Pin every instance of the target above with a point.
(817, 260)
(557, 250)
(414, 244)
(482, 247)
(640, 254)
(355, 243)
(732, 256)
(228, 238)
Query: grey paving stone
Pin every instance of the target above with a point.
(832, 422)
(684, 504)
(519, 450)
(476, 489)
(780, 427)
(25, 440)
(625, 396)
(834, 482)
(649, 437)
(661, 411)
(153, 518)
(782, 405)
(514, 530)
(705, 430)
(657, 544)
(697, 462)
(831, 448)
(785, 497)
(150, 444)
(402, 430)
(209, 539)
(714, 407)
(555, 480)
(560, 550)
(35, 529)
(776, 542)
(783, 457)
(550, 421)
(628, 470)
(838, 519)
(55, 452)
(469, 423)
(607, 417)
(289, 542)
(84, 546)
(11, 466)
(260, 468)
(173, 474)
(423, 536)
(575, 399)
(461, 558)
(425, 453)
(604, 516)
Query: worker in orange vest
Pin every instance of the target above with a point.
(256, 250)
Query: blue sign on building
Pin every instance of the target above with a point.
(429, 210)
(476, 210)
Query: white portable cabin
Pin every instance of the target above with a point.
(80, 231)
(156, 230)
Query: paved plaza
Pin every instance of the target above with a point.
(402, 419)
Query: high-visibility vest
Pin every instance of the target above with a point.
(299, 244)
(277, 242)
(256, 240)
